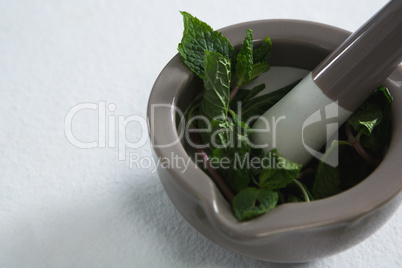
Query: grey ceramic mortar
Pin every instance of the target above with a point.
(295, 232)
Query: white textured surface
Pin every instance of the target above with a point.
(61, 206)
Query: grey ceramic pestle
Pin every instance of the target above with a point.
(300, 124)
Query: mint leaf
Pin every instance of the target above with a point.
(373, 120)
(220, 133)
(244, 95)
(252, 202)
(241, 130)
(237, 173)
(279, 171)
(372, 111)
(263, 53)
(258, 69)
(244, 65)
(238, 178)
(215, 101)
(214, 104)
(257, 106)
(366, 117)
(199, 37)
(327, 178)
(377, 142)
(252, 63)
(253, 92)
(233, 166)
(261, 56)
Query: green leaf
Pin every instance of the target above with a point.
(244, 95)
(241, 129)
(252, 63)
(252, 202)
(261, 56)
(366, 117)
(244, 65)
(258, 69)
(238, 174)
(199, 37)
(215, 101)
(327, 178)
(279, 172)
(263, 53)
(220, 133)
(257, 106)
(373, 119)
(233, 167)
(238, 178)
(377, 142)
(253, 92)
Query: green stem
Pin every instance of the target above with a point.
(232, 112)
(305, 194)
(341, 142)
(191, 112)
(359, 148)
(359, 134)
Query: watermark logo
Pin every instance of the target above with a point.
(331, 112)
(112, 128)
(112, 133)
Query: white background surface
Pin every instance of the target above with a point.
(62, 206)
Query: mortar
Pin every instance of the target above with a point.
(293, 232)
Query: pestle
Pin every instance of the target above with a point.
(301, 122)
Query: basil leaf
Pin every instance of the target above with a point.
(252, 202)
(279, 173)
(197, 38)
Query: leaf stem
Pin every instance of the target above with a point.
(341, 142)
(358, 136)
(306, 172)
(359, 148)
(214, 173)
(305, 194)
(191, 111)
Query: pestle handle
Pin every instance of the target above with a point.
(351, 72)
(335, 88)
